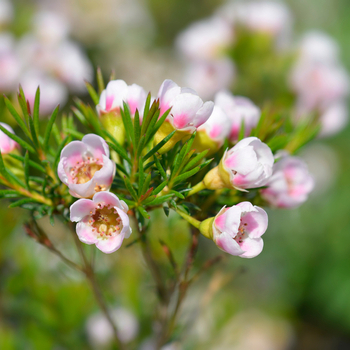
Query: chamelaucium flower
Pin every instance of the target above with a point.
(102, 221)
(240, 110)
(7, 145)
(237, 230)
(111, 100)
(246, 165)
(85, 166)
(212, 134)
(187, 113)
(290, 183)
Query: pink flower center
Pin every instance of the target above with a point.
(241, 234)
(105, 221)
(85, 170)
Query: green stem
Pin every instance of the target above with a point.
(199, 187)
(194, 222)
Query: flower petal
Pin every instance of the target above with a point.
(80, 209)
(85, 233)
(251, 247)
(74, 152)
(111, 244)
(203, 113)
(96, 145)
(126, 231)
(107, 198)
(226, 243)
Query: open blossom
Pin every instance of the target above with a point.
(237, 230)
(117, 92)
(206, 39)
(85, 166)
(101, 221)
(209, 76)
(316, 46)
(239, 109)
(290, 184)
(333, 118)
(7, 145)
(213, 133)
(188, 111)
(246, 165)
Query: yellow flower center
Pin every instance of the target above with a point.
(85, 170)
(105, 221)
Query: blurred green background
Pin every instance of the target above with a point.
(295, 295)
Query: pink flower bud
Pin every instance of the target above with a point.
(7, 145)
(248, 164)
(239, 109)
(290, 183)
(102, 221)
(206, 39)
(188, 111)
(118, 91)
(85, 166)
(237, 230)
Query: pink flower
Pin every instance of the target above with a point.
(188, 111)
(206, 39)
(118, 91)
(238, 230)
(290, 183)
(238, 109)
(102, 221)
(208, 77)
(334, 118)
(85, 166)
(7, 145)
(216, 128)
(249, 163)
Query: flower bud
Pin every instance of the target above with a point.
(246, 165)
(212, 134)
(85, 166)
(7, 145)
(101, 221)
(239, 110)
(188, 112)
(237, 230)
(289, 184)
(111, 100)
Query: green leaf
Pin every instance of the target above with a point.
(147, 104)
(92, 92)
(160, 200)
(195, 160)
(160, 168)
(150, 130)
(137, 129)
(36, 111)
(160, 187)
(100, 82)
(49, 128)
(143, 212)
(9, 194)
(3, 170)
(21, 202)
(186, 175)
(241, 131)
(23, 104)
(130, 188)
(159, 146)
(60, 148)
(147, 117)
(26, 170)
(127, 121)
(177, 194)
(141, 177)
(33, 132)
(21, 142)
(145, 186)
(80, 116)
(118, 148)
(78, 135)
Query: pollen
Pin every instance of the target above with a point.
(85, 170)
(106, 221)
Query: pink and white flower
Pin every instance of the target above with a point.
(208, 77)
(290, 184)
(239, 109)
(237, 230)
(118, 91)
(249, 163)
(334, 118)
(102, 221)
(206, 39)
(188, 111)
(85, 166)
(7, 145)
(217, 127)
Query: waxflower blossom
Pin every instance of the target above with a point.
(117, 91)
(206, 39)
(7, 145)
(212, 134)
(333, 118)
(246, 165)
(290, 183)
(187, 113)
(210, 76)
(237, 230)
(101, 221)
(85, 166)
(239, 109)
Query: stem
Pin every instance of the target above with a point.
(199, 187)
(90, 275)
(194, 222)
